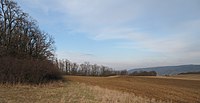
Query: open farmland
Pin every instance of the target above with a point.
(67, 92)
(122, 89)
(161, 88)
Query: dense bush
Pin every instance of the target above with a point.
(14, 70)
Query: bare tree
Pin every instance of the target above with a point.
(67, 67)
(95, 70)
(74, 69)
(87, 69)
(20, 35)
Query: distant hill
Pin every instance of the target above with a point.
(170, 70)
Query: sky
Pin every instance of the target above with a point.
(122, 34)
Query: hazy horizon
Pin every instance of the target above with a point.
(122, 34)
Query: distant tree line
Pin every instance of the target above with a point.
(26, 52)
(143, 73)
(87, 69)
(189, 73)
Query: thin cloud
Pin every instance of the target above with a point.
(169, 28)
(76, 56)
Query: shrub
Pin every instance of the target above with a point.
(13, 70)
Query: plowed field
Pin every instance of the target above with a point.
(161, 88)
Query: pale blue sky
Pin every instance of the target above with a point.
(122, 34)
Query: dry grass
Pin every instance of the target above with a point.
(103, 95)
(70, 92)
(165, 89)
(52, 93)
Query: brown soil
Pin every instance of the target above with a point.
(165, 89)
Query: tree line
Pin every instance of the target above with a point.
(198, 72)
(143, 73)
(87, 69)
